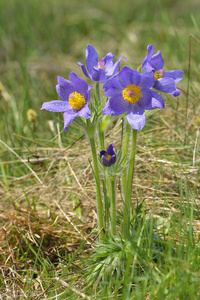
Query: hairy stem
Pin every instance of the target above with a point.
(124, 156)
(98, 188)
(129, 185)
(113, 205)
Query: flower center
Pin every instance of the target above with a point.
(107, 156)
(132, 93)
(76, 101)
(101, 64)
(158, 74)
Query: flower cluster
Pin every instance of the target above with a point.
(128, 91)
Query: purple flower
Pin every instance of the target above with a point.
(75, 95)
(164, 81)
(99, 70)
(131, 93)
(108, 157)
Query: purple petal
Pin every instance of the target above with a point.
(68, 118)
(166, 85)
(145, 101)
(136, 117)
(150, 49)
(157, 61)
(85, 72)
(56, 106)
(112, 87)
(91, 58)
(84, 112)
(66, 84)
(108, 60)
(110, 150)
(80, 85)
(102, 152)
(176, 93)
(112, 159)
(98, 74)
(147, 80)
(64, 88)
(177, 75)
(128, 76)
(156, 101)
(115, 67)
(115, 106)
(105, 162)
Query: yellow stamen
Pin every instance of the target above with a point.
(101, 64)
(158, 74)
(76, 101)
(107, 156)
(132, 93)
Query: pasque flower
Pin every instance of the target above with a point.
(165, 81)
(75, 95)
(99, 70)
(130, 92)
(108, 157)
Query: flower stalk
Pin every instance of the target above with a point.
(98, 188)
(99, 126)
(113, 205)
(124, 156)
(129, 181)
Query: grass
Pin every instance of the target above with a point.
(48, 208)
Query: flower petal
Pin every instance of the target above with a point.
(115, 67)
(85, 72)
(56, 106)
(80, 84)
(115, 106)
(110, 150)
(136, 117)
(177, 75)
(147, 79)
(128, 76)
(91, 58)
(176, 93)
(157, 101)
(64, 88)
(145, 101)
(104, 161)
(108, 61)
(157, 62)
(150, 49)
(112, 87)
(112, 159)
(84, 112)
(66, 84)
(68, 118)
(98, 74)
(151, 100)
(165, 84)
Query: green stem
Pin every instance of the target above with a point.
(101, 136)
(98, 188)
(113, 205)
(97, 104)
(129, 184)
(109, 194)
(98, 95)
(124, 156)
